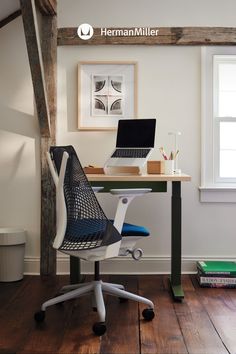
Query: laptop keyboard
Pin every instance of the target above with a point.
(129, 153)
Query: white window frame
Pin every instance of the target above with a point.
(213, 188)
(219, 59)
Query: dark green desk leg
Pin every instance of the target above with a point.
(176, 242)
(75, 274)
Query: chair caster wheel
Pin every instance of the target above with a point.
(39, 316)
(148, 314)
(99, 328)
(123, 299)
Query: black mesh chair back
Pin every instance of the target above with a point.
(87, 225)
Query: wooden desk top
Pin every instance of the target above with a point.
(145, 177)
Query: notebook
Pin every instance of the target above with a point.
(134, 144)
(217, 267)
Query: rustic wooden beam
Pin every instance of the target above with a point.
(165, 36)
(42, 52)
(47, 7)
(36, 64)
(48, 199)
(10, 18)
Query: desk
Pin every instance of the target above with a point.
(158, 183)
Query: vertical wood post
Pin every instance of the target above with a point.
(48, 199)
(42, 53)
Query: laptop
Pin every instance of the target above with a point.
(134, 144)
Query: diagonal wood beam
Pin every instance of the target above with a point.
(36, 64)
(165, 36)
(47, 7)
(10, 18)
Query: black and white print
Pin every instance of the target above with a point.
(107, 95)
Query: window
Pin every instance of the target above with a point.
(218, 124)
(224, 117)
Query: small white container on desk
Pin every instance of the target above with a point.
(169, 167)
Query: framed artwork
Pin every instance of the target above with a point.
(107, 92)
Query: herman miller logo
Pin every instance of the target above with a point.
(85, 31)
(129, 32)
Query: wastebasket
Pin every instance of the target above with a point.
(12, 250)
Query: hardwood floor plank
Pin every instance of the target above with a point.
(16, 319)
(78, 336)
(232, 295)
(220, 306)
(8, 291)
(205, 322)
(198, 332)
(162, 335)
(122, 335)
(187, 283)
(44, 337)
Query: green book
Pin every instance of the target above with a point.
(217, 267)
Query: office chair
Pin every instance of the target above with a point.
(85, 232)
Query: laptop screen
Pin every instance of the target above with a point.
(139, 133)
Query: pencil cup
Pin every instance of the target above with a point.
(169, 167)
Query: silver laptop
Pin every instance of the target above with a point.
(134, 144)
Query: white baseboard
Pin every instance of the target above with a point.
(123, 265)
(32, 265)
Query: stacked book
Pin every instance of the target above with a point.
(216, 274)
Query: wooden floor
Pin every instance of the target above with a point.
(205, 322)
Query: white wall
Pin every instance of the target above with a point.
(115, 13)
(19, 140)
(168, 89)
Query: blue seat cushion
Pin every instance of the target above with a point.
(134, 230)
(79, 229)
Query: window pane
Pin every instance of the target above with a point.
(228, 135)
(227, 104)
(227, 77)
(228, 163)
(228, 149)
(227, 90)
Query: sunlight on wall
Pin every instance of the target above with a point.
(19, 139)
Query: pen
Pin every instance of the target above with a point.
(163, 153)
(176, 154)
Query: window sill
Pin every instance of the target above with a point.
(218, 194)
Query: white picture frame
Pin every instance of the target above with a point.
(107, 92)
